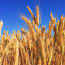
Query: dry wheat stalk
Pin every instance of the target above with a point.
(37, 15)
(52, 24)
(30, 27)
(31, 13)
(1, 24)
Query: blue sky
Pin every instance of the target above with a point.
(10, 11)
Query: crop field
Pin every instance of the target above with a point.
(35, 46)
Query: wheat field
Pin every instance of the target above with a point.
(35, 46)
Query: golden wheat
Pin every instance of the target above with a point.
(34, 46)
